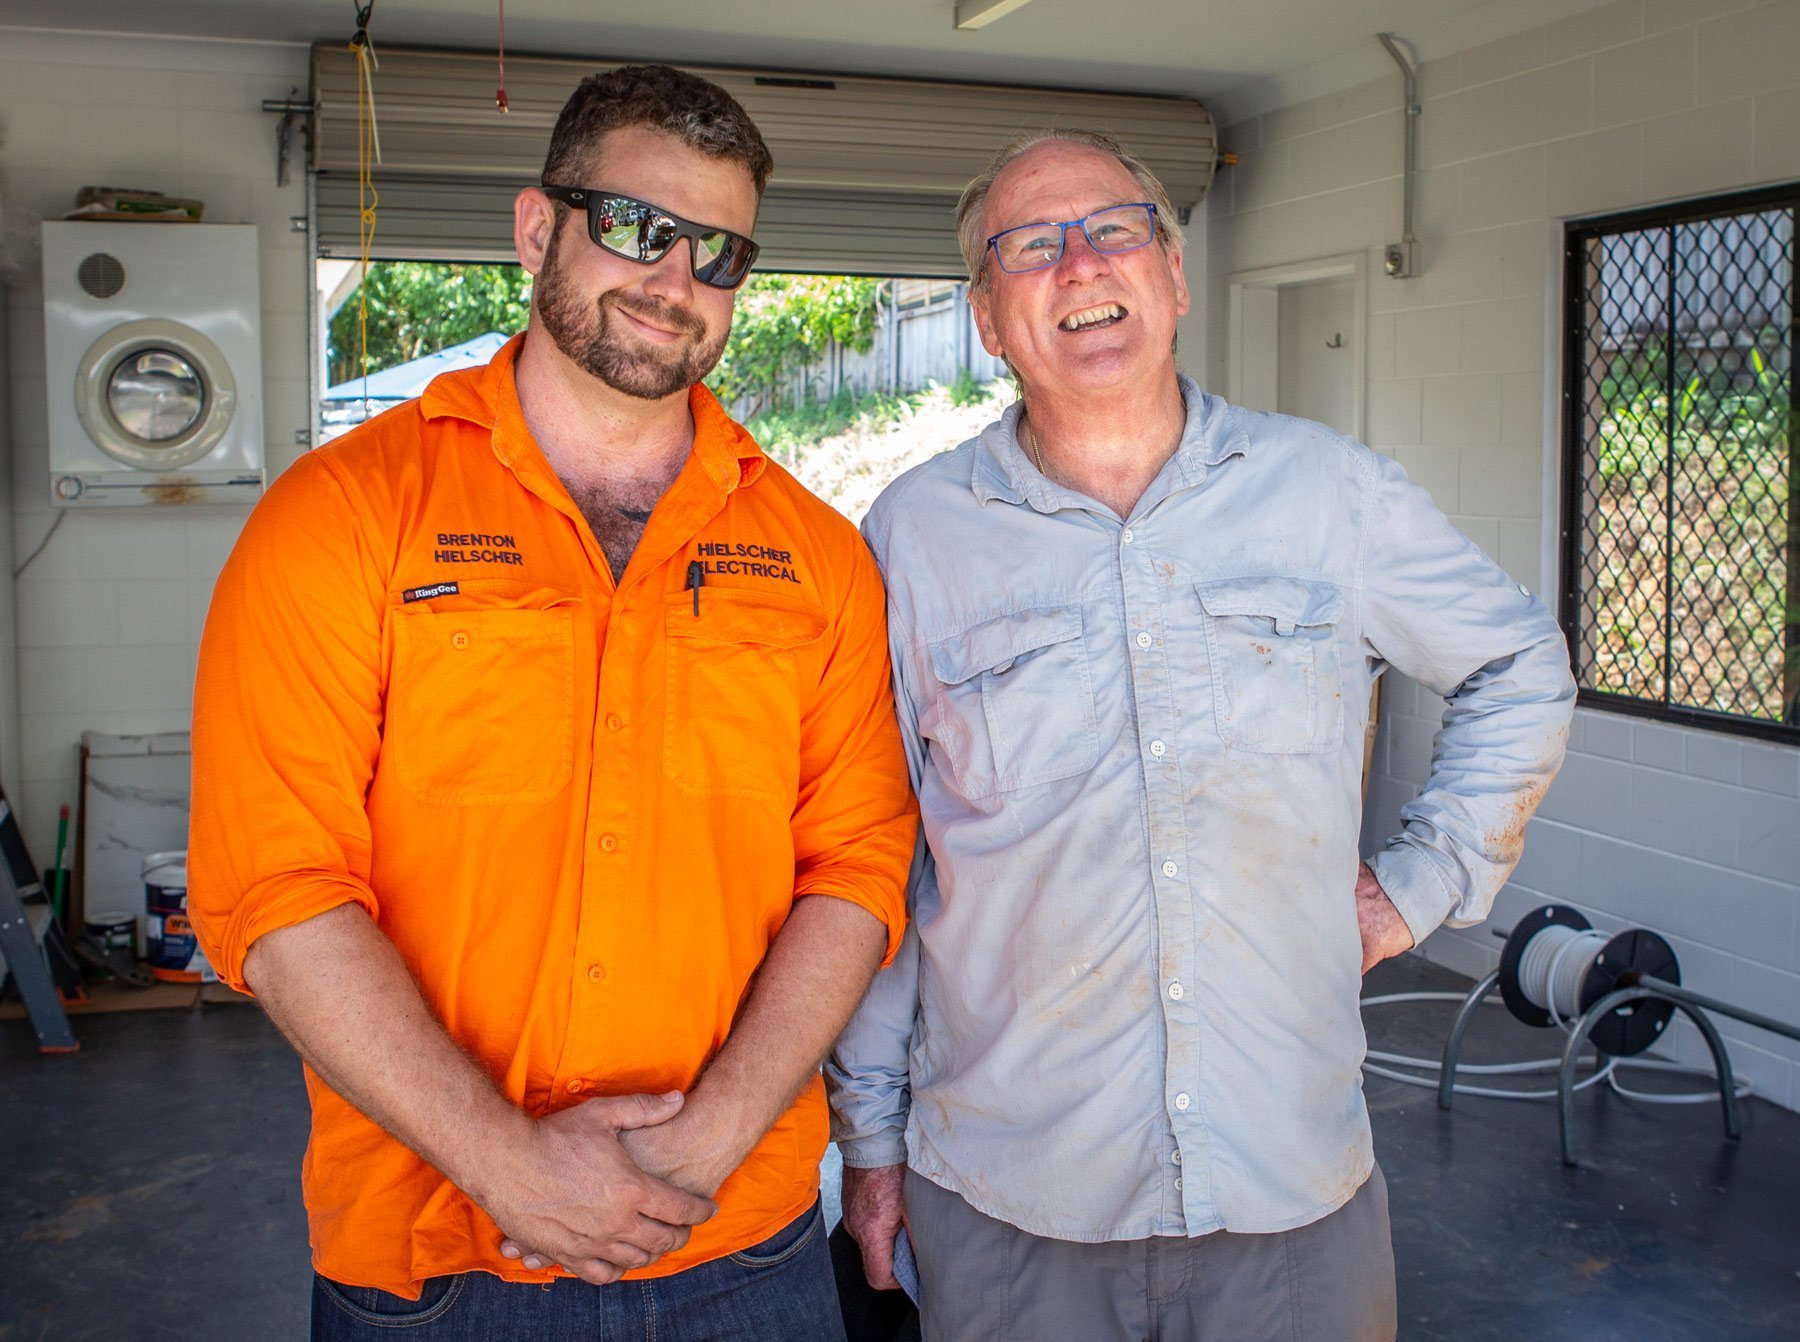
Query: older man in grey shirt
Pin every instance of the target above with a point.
(1134, 631)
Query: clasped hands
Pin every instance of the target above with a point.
(608, 1185)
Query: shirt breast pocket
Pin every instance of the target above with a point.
(481, 704)
(1276, 675)
(736, 674)
(1015, 702)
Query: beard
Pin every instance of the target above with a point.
(592, 338)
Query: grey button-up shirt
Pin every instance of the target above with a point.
(1127, 1002)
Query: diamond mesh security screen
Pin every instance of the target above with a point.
(1681, 530)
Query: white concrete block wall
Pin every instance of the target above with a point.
(9, 661)
(109, 615)
(1695, 834)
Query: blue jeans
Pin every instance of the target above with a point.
(778, 1291)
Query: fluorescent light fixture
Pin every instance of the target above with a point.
(980, 13)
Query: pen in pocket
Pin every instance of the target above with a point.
(696, 580)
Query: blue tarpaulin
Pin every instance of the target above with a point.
(405, 381)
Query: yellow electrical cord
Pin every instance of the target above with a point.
(368, 154)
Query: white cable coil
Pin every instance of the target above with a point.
(1604, 1073)
(1552, 968)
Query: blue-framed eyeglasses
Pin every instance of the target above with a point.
(1117, 228)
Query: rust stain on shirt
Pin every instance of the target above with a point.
(1339, 1182)
(1506, 841)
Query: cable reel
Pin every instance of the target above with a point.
(1617, 993)
(1556, 966)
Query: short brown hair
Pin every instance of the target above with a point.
(969, 232)
(696, 111)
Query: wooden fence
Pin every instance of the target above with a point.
(924, 334)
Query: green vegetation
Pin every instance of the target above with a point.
(787, 433)
(965, 390)
(1740, 412)
(1693, 492)
(783, 323)
(420, 307)
(782, 329)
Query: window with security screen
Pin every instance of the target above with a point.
(1681, 525)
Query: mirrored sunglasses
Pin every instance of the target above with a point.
(642, 232)
(1117, 228)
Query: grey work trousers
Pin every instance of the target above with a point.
(983, 1280)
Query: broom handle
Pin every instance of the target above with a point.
(60, 878)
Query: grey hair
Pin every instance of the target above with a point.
(969, 229)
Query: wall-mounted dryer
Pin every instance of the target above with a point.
(153, 349)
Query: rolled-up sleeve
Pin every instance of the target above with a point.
(287, 722)
(866, 1076)
(1439, 610)
(854, 817)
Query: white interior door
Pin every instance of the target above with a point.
(1318, 353)
(1297, 341)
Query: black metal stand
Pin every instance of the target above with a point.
(24, 957)
(1649, 990)
(1458, 1028)
(1606, 1010)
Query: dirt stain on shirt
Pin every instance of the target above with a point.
(1506, 841)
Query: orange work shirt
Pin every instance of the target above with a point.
(580, 810)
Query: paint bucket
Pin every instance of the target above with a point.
(113, 932)
(174, 953)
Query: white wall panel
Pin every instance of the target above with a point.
(1694, 834)
(1645, 79)
(108, 615)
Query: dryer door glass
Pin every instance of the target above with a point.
(156, 395)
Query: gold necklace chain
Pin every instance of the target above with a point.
(1037, 455)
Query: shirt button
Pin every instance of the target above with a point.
(1175, 991)
(576, 1086)
(460, 639)
(1127, 537)
(1143, 640)
(1176, 1157)
(1170, 869)
(608, 843)
(1178, 1183)
(596, 973)
(614, 722)
(1158, 749)
(1181, 1101)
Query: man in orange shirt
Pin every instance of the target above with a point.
(547, 791)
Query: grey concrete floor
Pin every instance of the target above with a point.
(149, 1188)
(1666, 1230)
(149, 1184)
